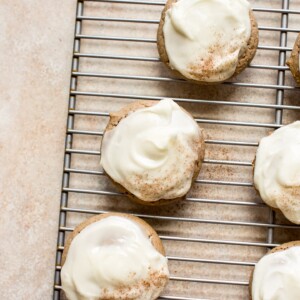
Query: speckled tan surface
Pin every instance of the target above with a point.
(36, 39)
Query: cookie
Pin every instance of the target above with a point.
(200, 44)
(277, 273)
(277, 171)
(293, 61)
(153, 151)
(114, 256)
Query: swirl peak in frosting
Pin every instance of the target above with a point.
(153, 151)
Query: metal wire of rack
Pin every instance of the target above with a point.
(215, 236)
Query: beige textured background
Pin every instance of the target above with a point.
(36, 39)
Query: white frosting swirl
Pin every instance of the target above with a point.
(204, 39)
(153, 151)
(277, 170)
(113, 259)
(276, 276)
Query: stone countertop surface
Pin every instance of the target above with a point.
(36, 41)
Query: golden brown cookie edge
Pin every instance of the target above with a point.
(293, 61)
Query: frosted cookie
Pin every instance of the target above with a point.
(207, 41)
(153, 151)
(294, 61)
(114, 256)
(277, 170)
(276, 275)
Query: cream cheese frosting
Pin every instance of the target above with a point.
(277, 170)
(276, 276)
(204, 39)
(153, 151)
(113, 259)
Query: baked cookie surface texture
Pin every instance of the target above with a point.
(294, 61)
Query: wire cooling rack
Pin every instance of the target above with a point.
(215, 236)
